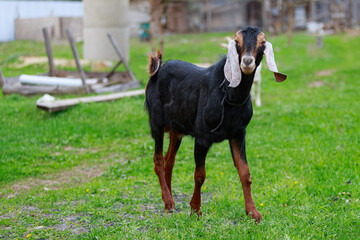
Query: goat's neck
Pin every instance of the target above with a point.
(239, 94)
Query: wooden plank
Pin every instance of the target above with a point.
(117, 50)
(77, 60)
(49, 52)
(59, 105)
(116, 87)
(113, 70)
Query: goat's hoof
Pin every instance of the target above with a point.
(169, 206)
(169, 210)
(197, 212)
(195, 208)
(255, 214)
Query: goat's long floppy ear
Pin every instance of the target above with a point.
(270, 59)
(232, 66)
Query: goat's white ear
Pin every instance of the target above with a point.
(232, 66)
(270, 59)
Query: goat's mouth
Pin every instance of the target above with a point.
(247, 64)
(247, 69)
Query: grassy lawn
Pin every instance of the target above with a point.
(87, 172)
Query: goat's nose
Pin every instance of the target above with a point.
(248, 61)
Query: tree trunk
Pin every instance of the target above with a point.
(158, 8)
(291, 9)
(349, 14)
(279, 17)
(152, 28)
(160, 26)
(269, 22)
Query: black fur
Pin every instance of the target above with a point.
(188, 99)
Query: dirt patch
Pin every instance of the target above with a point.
(55, 181)
(77, 150)
(30, 60)
(71, 223)
(76, 175)
(316, 84)
(80, 150)
(151, 210)
(325, 73)
(353, 32)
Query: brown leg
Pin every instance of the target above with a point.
(199, 175)
(175, 141)
(238, 153)
(159, 170)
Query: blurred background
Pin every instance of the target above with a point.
(87, 172)
(90, 19)
(180, 16)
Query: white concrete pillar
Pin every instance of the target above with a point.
(100, 18)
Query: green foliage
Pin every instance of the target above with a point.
(88, 173)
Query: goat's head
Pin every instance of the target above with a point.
(245, 53)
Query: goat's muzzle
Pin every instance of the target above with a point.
(247, 64)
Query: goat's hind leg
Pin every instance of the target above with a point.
(160, 170)
(175, 141)
(238, 153)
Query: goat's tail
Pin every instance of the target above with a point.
(154, 63)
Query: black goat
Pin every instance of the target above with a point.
(211, 105)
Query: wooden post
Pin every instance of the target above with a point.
(113, 70)
(354, 12)
(49, 52)
(349, 14)
(268, 16)
(313, 11)
(209, 16)
(117, 49)
(319, 41)
(205, 6)
(2, 79)
(291, 9)
(160, 26)
(278, 17)
(153, 7)
(77, 60)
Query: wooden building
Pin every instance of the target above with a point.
(272, 15)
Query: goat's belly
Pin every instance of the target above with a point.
(180, 119)
(181, 127)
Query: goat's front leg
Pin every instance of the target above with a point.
(258, 93)
(159, 170)
(201, 150)
(252, 91)
(239, 156)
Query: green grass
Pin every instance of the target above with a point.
(302, 147)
